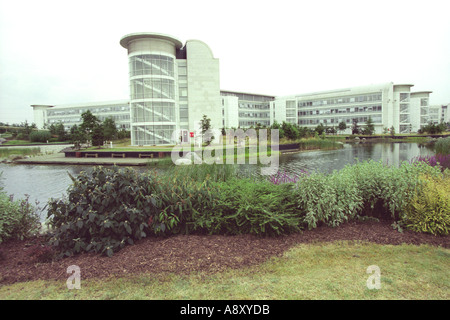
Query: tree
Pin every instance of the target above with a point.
(59, 130)
(98, 135)
(290, 131)
(27, 128)
(342, 126)
(370, 128)
(392, 129)
(330, 130)
(77, 135)
(320, 129)
(355, 127)
(109, 129)
(277, 126)
(205, 124)
(89, 122)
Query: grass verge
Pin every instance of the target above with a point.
(309, 271)
(6, 152)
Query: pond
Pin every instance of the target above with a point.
(42, 182)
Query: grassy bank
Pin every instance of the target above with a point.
(332, 142)
(6, 152)
(315, 271)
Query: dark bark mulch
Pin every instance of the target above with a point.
(184, 254)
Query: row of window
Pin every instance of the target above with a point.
(336, 121)
(264, 106)
(76, 120)
(342, 100)
(254, 114)
(153, 112)
(151, 64)
(358, 109)
(101, 109)
(152, 88)
(153, 134)
(249, 123)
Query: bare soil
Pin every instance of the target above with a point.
(185, 254)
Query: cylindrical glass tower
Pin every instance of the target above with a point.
(153, 87)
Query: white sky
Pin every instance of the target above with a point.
(63, 52)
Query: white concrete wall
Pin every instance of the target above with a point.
(40, 115)
(203, 85)
(231, 110)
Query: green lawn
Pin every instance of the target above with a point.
(319, 271)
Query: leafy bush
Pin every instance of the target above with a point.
(113, 207)
(284, 177)
(104, 211)
(429, 210)
(439, 160)
(40, 136)
(183, 200)
(330, 199)
(442, 146)
(364, 189)
(255, 207)
(18, 218)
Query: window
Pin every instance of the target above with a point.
(404, 97)
(424, 102)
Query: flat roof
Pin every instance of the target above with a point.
(248, 93)
(416, 92)
(140, 35)
(84, 104)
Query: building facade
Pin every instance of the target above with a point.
(70, 115)
(172, 85)
(388, 105)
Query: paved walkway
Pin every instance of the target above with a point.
(59, 158)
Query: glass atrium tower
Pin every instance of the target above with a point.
(171, 87)
(153, 87)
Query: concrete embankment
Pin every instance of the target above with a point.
(59, 158)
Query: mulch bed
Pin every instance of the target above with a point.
(184, 254)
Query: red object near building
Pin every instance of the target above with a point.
(191, 134)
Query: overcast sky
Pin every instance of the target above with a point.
(63, 52)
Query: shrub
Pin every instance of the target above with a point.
(330, 199)
(284, 177)
(113, 207)
(18, 218)
(40, 136)
(255, 207)
(104, 211)
(364, 189)
(439, 160)
(442, 146)
(429, 210)
(183, 201)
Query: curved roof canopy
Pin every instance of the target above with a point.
(140, 35)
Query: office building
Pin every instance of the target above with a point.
(173, 84)
(70, 115)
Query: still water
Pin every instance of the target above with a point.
(42, 182)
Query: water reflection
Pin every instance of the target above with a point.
(42, 182)
(327, 161)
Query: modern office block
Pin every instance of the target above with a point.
(243, 110)
(173, 85)
(70, 115)
(388, 105)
